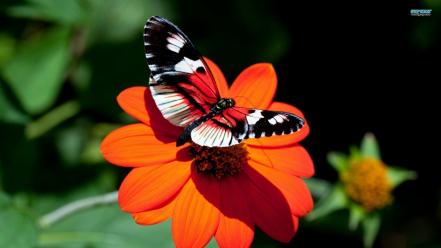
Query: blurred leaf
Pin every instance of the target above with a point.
(335, 201)
(116, 21)
(91, 153)
(8, 112)
(17, 229)
(4, 200)
(1, 182)
(338, 161)
(319, 188)
(397, 175)
(371, 226)
(356, 214)
(37, 71)
(354, 153)
(82, 76)
(70, 142)
(7, 46)
(369, 147)
(105, 226)
(65, 12)
(52, 119)
(212, 244)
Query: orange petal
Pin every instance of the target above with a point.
(255, 86)
(219, 77)
(282, 140)
(196, 213)
(138, 145)
(156, 215)
(138, 103)
(147, 188)
(236, 227)
(293, 159)
(132, 101)
(269, 207)
(293, 189)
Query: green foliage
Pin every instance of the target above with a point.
(17, 227)
(371, 226)
(110, 21)
(103, 227)
(398, 175)
(63, 12)
(7, 45)
(334, 201)
(369, 147)
(338, 160)
(36, 73)
(8, 112)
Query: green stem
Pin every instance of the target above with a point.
(52, 119)
(73, 207)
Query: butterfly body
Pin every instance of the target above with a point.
(186, 94)
(218, 108)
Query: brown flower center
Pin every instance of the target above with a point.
(366, 182)
(219, 161)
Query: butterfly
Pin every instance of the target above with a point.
(186, 94)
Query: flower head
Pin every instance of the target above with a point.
(367, 183)
(221, 192)
(365, 187)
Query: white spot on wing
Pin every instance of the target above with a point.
(279, 118)
(272, 121)
(188, 66)
(173, 48)
(175, 42)
(254, 117)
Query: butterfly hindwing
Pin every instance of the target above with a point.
(181, 82)
(236, 124)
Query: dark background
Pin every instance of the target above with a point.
(352, 68)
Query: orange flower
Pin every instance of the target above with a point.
(223, 192)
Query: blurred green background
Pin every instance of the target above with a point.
(351, 68)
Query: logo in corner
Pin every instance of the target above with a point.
(421, 12)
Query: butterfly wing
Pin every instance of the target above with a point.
(236, 124)
(181, 83)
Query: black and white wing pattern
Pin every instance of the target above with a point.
(185, 92)
(181, 82)
(236, 124)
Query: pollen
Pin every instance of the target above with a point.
(219, 162)
(366, 182)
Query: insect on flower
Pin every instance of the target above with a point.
(185, 92)
(221, 184)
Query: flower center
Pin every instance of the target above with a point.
(219, 161)
(366, 182)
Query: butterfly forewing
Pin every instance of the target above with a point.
(181, 83)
